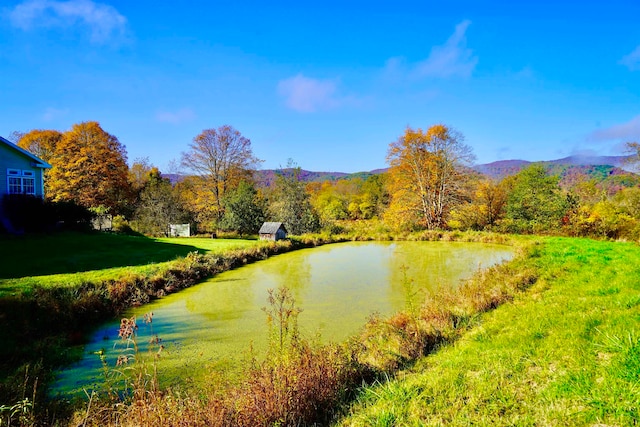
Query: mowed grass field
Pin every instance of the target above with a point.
(69, 259)
(566, 352)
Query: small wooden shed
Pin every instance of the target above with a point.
(272, 231)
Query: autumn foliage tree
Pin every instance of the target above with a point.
(426, 175)
(330, 204)
(220, 158)
(89, 167)
(140, 173)
(42, 143)
(486, 207)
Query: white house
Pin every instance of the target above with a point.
(20, 171)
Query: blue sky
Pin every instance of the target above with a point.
(329, 84)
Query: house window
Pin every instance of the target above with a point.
(15, 185)
(28, 185)
(21, 182)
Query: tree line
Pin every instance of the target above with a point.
(429, 185)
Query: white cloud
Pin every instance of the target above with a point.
(628, 131)
(176, 117)
(395, 69)
(632, 60)
(452, 59)
(307, 95)
(51, 114)
(103, 22)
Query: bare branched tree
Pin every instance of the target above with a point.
(222, 158)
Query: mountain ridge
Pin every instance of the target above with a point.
(497, 169)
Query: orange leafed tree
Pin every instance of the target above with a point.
(90, 168)
(198, 200)
(40, 142)
(426, 175)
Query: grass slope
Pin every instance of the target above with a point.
(96, 276)
(70, 259)
(565, 353)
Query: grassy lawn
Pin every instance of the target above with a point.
(69, 259)
(567, 352)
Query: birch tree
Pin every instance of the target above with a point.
(426, 175)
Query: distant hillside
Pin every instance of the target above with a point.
(266, 177)
(503, 168)
(618, 161)
(569, 169)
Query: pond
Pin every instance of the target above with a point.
(213, 325)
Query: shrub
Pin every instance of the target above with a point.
(28, 213)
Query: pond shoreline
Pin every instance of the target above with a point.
(338, 287)
(300, 383)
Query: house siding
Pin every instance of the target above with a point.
(13, 159)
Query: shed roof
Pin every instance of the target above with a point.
(271, 227)
(39, 163)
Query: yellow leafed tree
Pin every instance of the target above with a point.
(90, 168)
(426, 175)
(42, 143)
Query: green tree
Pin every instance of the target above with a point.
(329, 203)
(374, 198)
(243, 210)
(158, 207)
(290, 203)
(535, 202)
(140, 173)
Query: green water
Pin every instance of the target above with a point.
(213, 325)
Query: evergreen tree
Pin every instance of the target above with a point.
(243, 211)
